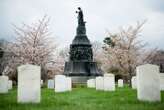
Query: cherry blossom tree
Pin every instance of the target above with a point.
(33, 44)
(125, 51)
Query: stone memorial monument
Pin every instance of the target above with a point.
(148, 83)
(81, 66)
(29, 77)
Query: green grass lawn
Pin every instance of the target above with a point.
(82, 99)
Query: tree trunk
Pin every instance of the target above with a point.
(125, 79)
(43, 74)
(130, 76)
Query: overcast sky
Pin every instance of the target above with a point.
(100, 15)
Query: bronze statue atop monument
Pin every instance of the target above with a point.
(80, 16)
(81, 65)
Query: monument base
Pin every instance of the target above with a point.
(81, 79)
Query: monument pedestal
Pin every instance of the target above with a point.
(80, 72)
(81, 79)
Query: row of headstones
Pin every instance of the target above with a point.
(5, 84)
(148, 82)
(60, 83)
(106, 82)
(29, 84)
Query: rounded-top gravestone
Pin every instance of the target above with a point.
(10, 84)
(51, 84)
(91, 83)
(148, 83)
(4, 84)
(134, 82)
(60, 83)
(120, 83)
(99, 83)
(109, 82)
(29, 77)
(161, 81)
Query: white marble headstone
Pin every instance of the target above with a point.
(161, 81)
(68, 83)
(120, 83)
(41, 82)
(51, 84)
(109, 82)
(29, 77)
(4, 84)
(134, 82)
(88, 83)
(148, 83)
(91, 83)
(99, 83)
(60, 83)
(10, 84)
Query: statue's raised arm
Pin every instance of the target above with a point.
(80, 16)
